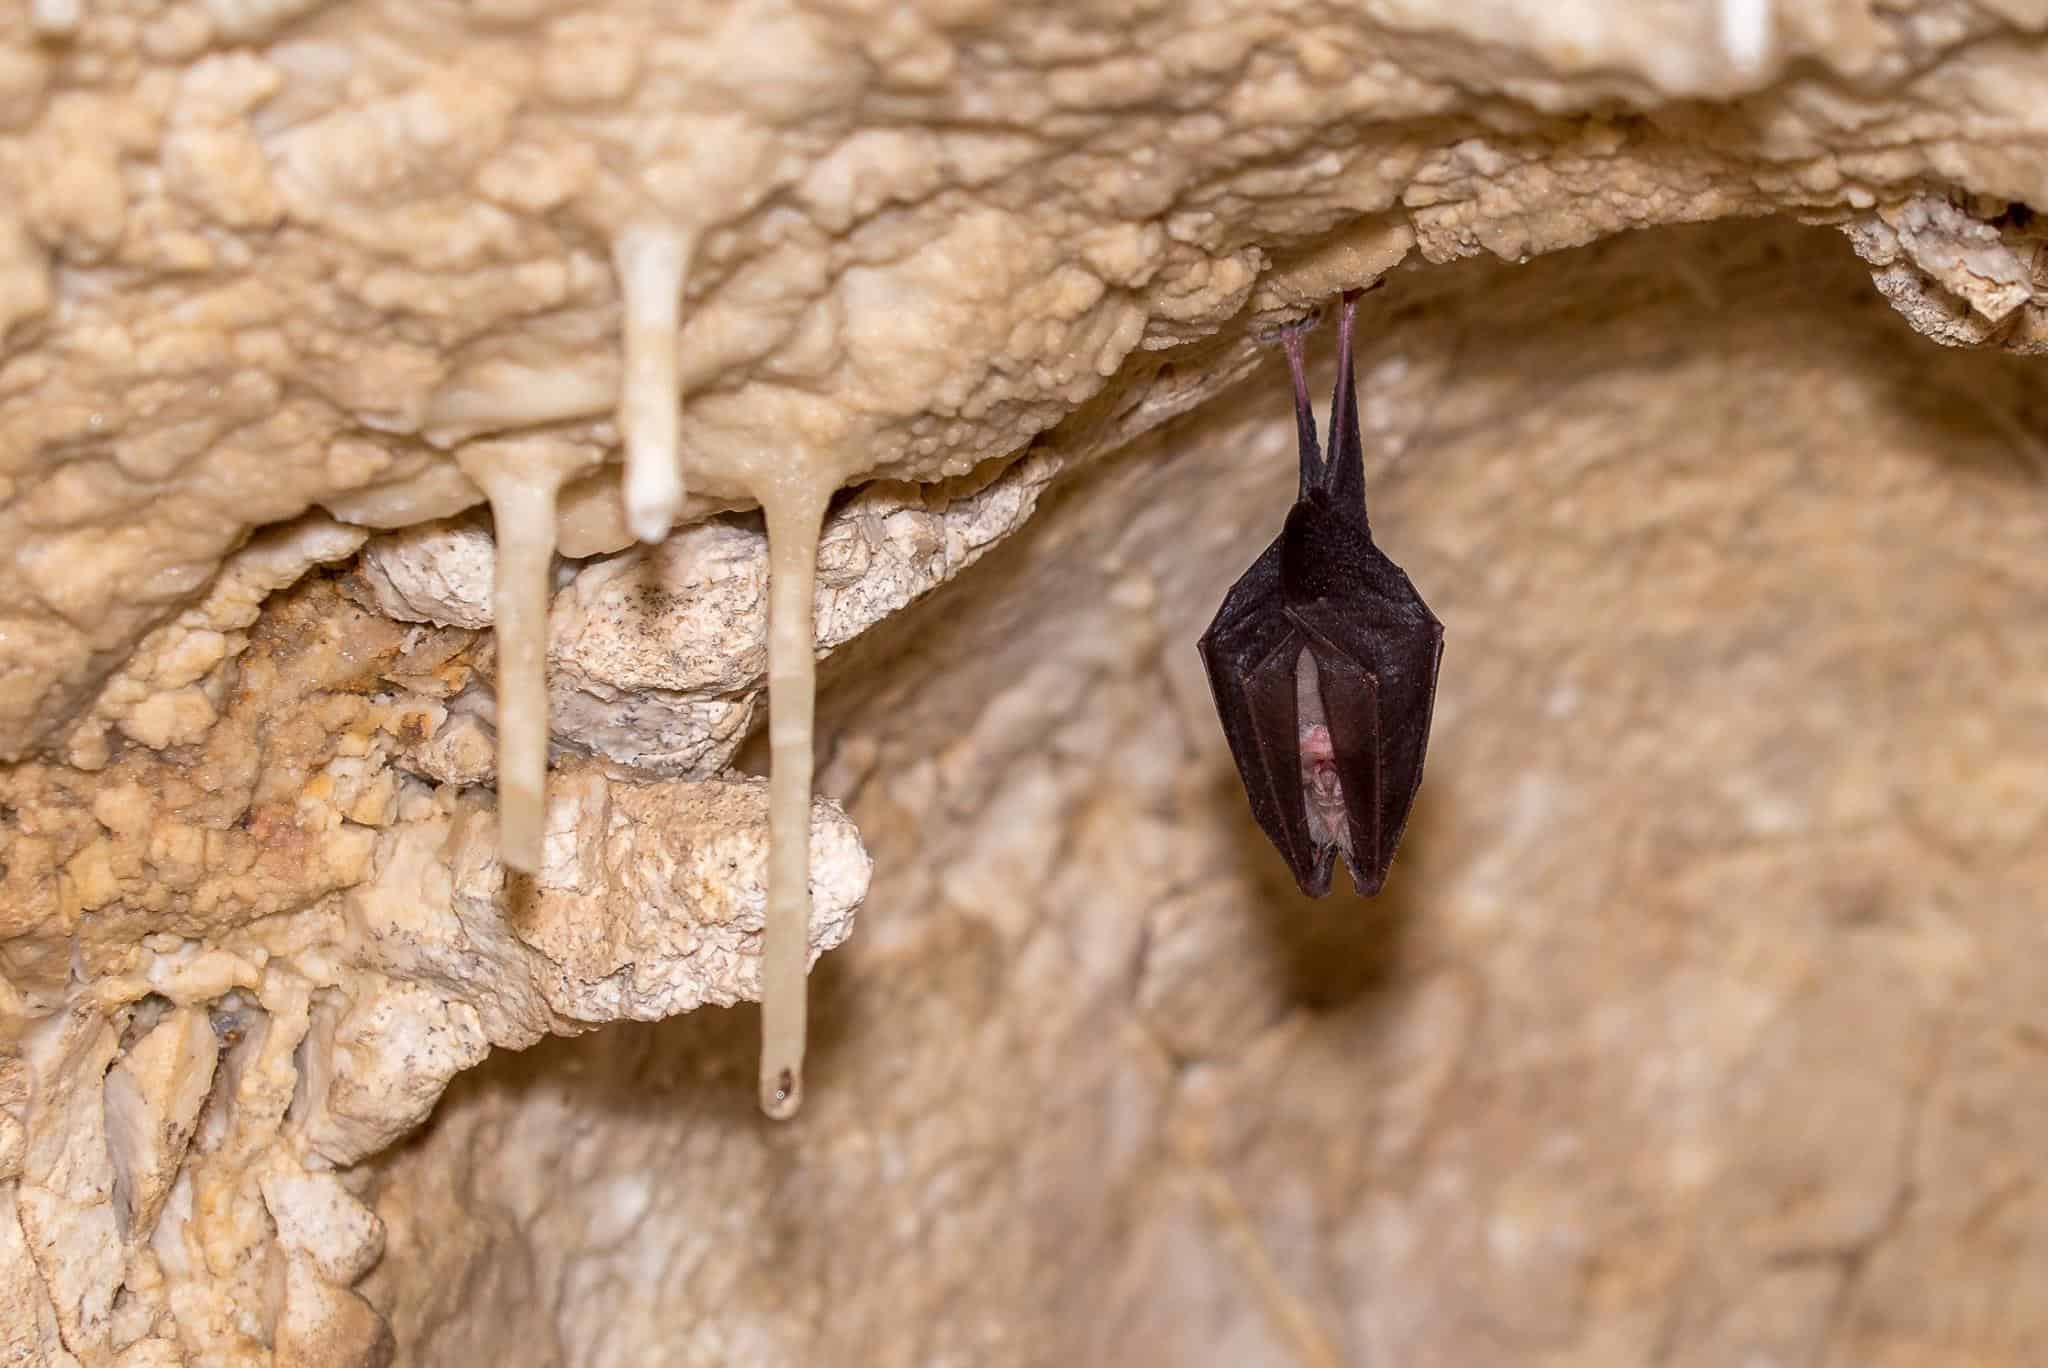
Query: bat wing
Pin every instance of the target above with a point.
(1376, 651)
(1250, 653)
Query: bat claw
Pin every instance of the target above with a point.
(1351, 296)
(1280, 334)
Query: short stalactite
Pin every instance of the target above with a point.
(650, 261)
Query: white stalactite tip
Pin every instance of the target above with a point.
(521, 480)
(1746, 33)
(649, 260)
(56, 18)
(795, 519)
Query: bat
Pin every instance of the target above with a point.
(1323, 662)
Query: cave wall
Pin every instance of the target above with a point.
(1695, 1024)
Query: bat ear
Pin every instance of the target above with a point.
(1344, 471)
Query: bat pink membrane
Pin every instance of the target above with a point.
(1323, 661)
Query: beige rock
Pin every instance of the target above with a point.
(657, 656)
(381, 1067)
(64, 1199)
(438, 573)
(14, 1101)
(649, 903)
(1668, 1018)
(153, 1096)
(28, 1323)
(1698, 1024)
(325, 1326)
(151, 1353)
(319, 1049)
(318, 1216)
(439, 189)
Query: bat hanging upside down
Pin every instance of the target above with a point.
(1323, 661)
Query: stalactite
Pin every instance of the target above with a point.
(650, 261)
(521, 479)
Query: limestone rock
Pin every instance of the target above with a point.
(325, 1326)
(153, 1096)
(1700, 1021)
(318, 1216)
(657, 656)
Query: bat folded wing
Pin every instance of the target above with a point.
(1250, 653)
(1376, 657)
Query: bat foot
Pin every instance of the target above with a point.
(1280, 334)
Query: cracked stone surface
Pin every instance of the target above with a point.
(1695, 1026)
(1698, 1024)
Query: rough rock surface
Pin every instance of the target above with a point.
(1698, 1021)
(278, 255)
(657, 656)
(271, 951)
